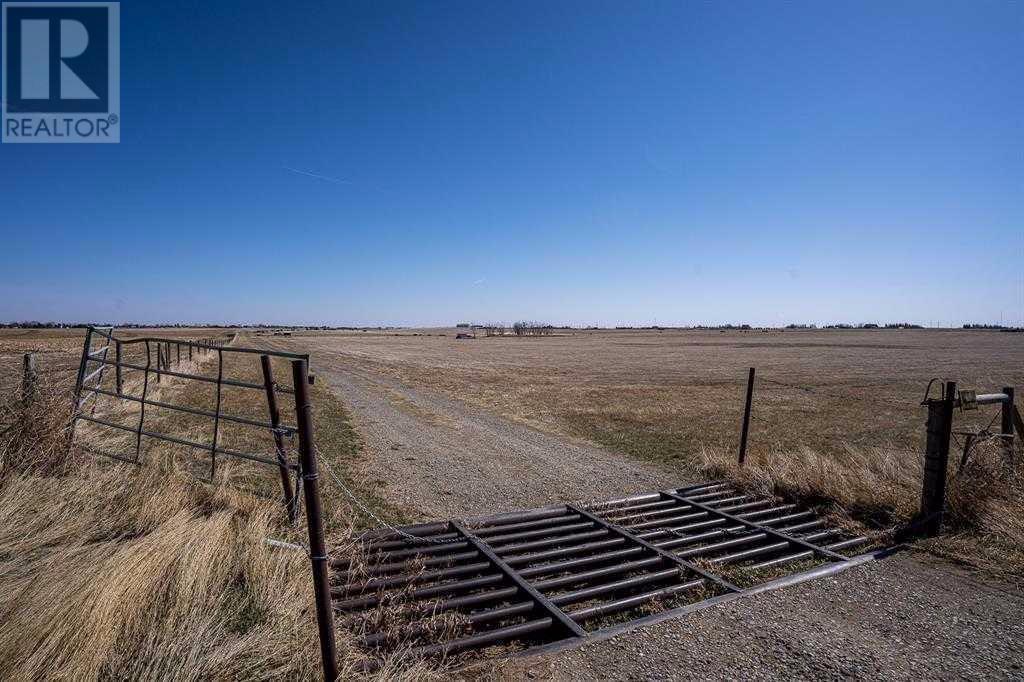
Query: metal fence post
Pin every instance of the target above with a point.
(28, 379)
(936, 459)
(746, 417)
(314, 521)
(81, 374)
(275, 421)
(118, 377)
(1007, 425)
(77, 396)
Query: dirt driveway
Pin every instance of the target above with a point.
(440, 458)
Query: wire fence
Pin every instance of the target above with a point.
(978, 426)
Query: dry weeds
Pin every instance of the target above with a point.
(877, 491)
(113, 571)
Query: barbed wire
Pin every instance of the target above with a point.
(321, 461)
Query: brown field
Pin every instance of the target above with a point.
(665, 395)
(844, 428)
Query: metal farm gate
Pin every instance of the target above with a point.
(161, 359)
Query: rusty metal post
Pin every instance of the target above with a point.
(936, 459)
(746, 417)
(78, 389)
(275, 421)
(314, 521)
(142, 404)
(1007, 425)
(118, 378)
(190, 352)
(81, 375)
(178, 346)
(29, 377)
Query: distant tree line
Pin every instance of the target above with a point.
(175, 325)
(998, 327)
(524, 328)
(863, 325)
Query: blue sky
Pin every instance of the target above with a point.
(585, 163)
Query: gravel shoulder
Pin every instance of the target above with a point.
(905, 617)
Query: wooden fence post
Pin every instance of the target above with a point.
(936, 459)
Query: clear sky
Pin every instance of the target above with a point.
(572, 162)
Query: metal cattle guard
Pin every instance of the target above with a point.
(565, 574)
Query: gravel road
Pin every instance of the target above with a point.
(900, 618)
(441, 458)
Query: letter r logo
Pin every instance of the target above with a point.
(56, 57)
(35, 59)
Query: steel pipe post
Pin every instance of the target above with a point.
(275, 422)
(314, 521)
(118, 377)
(1007, 421)
(746, 417)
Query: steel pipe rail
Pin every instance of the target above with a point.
(181, 441)
(286, 428)
(195, 377)
(774, 533)
(678, 561)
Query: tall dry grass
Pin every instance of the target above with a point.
(112, 571)
(879, 489)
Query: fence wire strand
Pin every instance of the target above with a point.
(321, 461)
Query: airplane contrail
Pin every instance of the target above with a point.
(337, 181)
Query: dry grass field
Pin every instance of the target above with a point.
(837, 419)
(667, 394)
